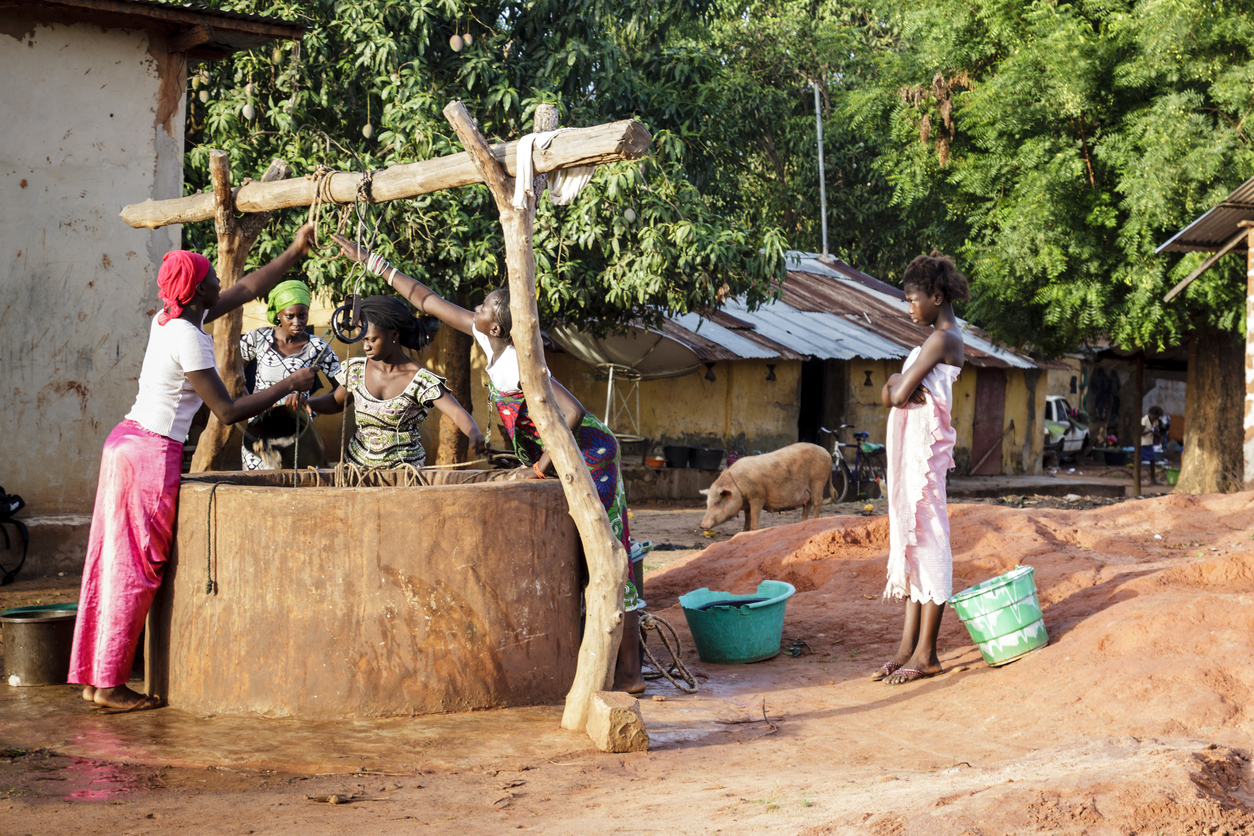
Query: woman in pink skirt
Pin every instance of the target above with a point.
(920, 446)
(141, 465)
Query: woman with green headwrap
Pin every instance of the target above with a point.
(280, 350)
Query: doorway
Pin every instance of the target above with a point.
(990, 415)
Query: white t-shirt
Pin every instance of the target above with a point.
(166, 401)
(503, 368)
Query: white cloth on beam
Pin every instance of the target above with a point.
(563, 184)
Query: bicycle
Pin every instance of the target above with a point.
(869, 465)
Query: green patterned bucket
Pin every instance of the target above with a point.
(1003, 616)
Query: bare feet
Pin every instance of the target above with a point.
(120, 697)
(89, 693)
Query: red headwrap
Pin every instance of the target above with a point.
(181, 271)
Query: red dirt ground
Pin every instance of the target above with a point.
(1135, 719)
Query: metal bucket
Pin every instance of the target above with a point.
(37, 642)
(274, 435)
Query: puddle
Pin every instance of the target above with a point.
(44, 774)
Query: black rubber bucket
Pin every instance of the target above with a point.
(706, 458)
(676, 456)
(37, 642)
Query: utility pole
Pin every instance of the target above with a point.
(818, 126)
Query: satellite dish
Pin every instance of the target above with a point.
(648, 353)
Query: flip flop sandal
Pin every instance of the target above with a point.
(911, 675)
(146, 704)
(888, 670)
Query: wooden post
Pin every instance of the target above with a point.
(607, 560)
(1248, 439)
(1136, 425)
(235, 239)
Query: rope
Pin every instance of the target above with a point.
(321, 175)
(455, 465)
(211, 586)
(652, 622)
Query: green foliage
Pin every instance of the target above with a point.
(759, 60)
(1063, 142)
(367, 87)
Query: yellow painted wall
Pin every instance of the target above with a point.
(739, 410)
(1025, 405)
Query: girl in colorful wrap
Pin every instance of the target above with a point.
(920, 454)
(283, 348)
(489, 325)
(392, 394)
(142, 461)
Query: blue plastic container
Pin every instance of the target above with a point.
(736, 629)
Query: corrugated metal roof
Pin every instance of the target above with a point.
(1209, 232)
(730, 344)
(823, 315)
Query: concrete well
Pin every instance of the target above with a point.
(366, 602)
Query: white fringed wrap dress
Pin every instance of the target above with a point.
(920, 447)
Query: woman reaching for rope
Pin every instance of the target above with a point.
(391, 393)
(141, 465)
(489, 325)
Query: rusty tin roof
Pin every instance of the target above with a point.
(827, 311)
(1209, 232)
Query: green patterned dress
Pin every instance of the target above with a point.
(387, 429)
(600, 452)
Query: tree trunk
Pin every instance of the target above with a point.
(1213, 415)
(235, 239)
(606, 558)
(454, 446)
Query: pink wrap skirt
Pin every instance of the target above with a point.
(131, 532)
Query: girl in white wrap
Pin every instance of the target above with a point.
(920, 446)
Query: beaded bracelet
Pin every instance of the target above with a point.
(539, 473)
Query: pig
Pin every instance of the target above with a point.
(787, 478)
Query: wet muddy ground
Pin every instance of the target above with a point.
(1133, 720)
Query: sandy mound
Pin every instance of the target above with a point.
(1147, 605)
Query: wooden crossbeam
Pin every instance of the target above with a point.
(1228, 246)
(613, 142)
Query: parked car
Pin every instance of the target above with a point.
(1066, 429)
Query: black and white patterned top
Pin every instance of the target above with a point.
(272, 366)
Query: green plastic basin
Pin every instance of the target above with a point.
(728, 633)
(1003, 616)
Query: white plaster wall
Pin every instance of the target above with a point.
(80, 139)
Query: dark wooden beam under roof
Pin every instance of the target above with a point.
(200, 32)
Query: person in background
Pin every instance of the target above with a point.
(1154, 427)
(392, 394)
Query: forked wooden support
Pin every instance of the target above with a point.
(607, 560)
